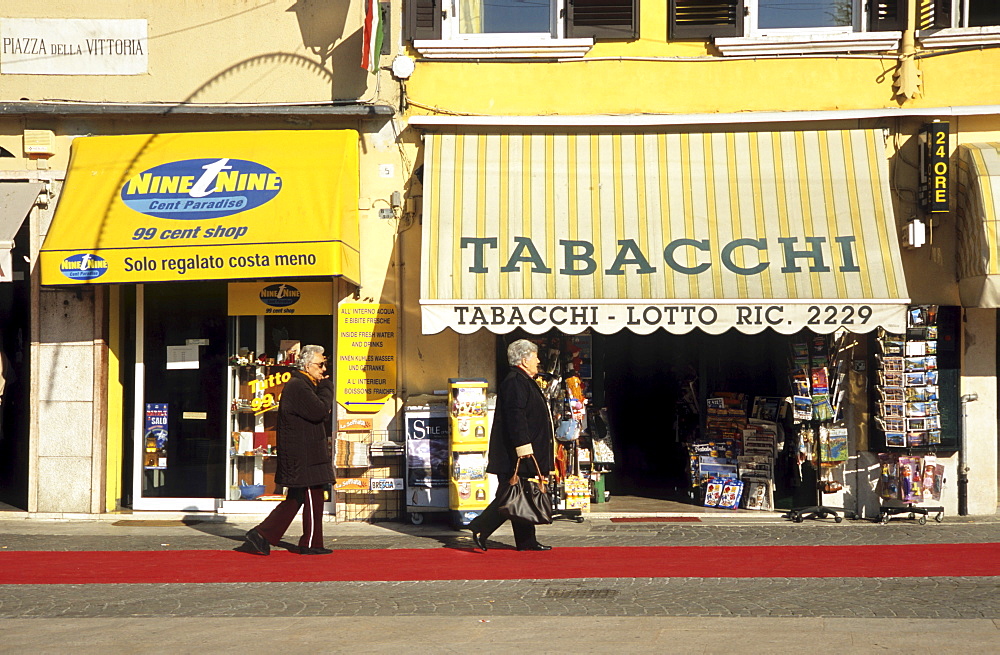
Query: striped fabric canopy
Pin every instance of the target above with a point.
(626, 230)
(979, 191)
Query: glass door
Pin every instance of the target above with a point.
(181, 385)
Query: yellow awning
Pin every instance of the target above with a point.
(646, 231)
(206, 206)
(978, 167)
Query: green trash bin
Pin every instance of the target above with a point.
(597, 488)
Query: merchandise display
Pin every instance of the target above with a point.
(256, 390)
(908, 411)
(739, 423)
(818, 374)
(736, 452)
(468, 411)
(369, 470)
(583, 448)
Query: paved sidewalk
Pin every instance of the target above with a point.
(463, 635)
(581, 615)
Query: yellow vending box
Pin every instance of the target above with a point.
(469, 437)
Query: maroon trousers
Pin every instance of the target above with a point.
(310, 500)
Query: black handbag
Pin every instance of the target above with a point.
(526, 500)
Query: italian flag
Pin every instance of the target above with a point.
(371, 45)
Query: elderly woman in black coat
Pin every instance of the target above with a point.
(522, 430)
(304, 462)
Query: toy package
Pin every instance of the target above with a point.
(713, 491)
(731, 492)
(888, 484)
(910, 479)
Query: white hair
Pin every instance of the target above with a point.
(517, 351)
(307, 355)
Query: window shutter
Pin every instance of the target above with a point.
(941, 12)
(704, 19)
(887, 15)
(602, 19)
(423, 19)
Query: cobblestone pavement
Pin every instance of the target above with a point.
(887, 598)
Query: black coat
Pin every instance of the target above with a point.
(522, 416)
(303, 433)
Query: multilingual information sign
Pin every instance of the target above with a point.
(366, 355)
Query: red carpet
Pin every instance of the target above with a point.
(88, 567)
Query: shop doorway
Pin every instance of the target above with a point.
(654, 391)
(181, 411)
(15, 331)
(649, 393)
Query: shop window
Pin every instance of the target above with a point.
(793, 26)
(517, 28)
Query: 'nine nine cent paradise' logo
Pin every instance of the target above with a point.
(280, 295)
(195, 189)
(83, 267)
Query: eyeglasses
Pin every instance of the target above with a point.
(320, 364)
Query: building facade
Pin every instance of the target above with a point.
(694, 187)
(607, 168)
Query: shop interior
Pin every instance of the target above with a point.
(648, 395)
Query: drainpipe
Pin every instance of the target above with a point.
(906, 81)
(963, 468)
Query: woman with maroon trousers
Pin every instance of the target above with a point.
(304, 462)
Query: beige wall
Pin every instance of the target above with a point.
(215, 51)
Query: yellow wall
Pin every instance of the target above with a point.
(688, 77)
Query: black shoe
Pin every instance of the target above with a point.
(480, 541)
(535, 546)
(314, 551)
(257, 542)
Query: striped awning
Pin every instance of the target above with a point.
(645, 231)
(978, 167)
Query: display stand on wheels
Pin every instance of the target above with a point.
(910, 412)
(912, 512)
(819, 373)
(427, 450)
(468, 428)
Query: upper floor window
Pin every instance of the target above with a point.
(702, 19)
(803, 14)
(964, 13)
(556, 19)
(959, 23)
(505, 16)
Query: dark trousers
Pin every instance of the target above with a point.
(488, 522)
(310, 499)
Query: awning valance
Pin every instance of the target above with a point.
(978, 166)
(646, 231)
(206, 206)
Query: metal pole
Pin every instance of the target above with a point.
(963, 469)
